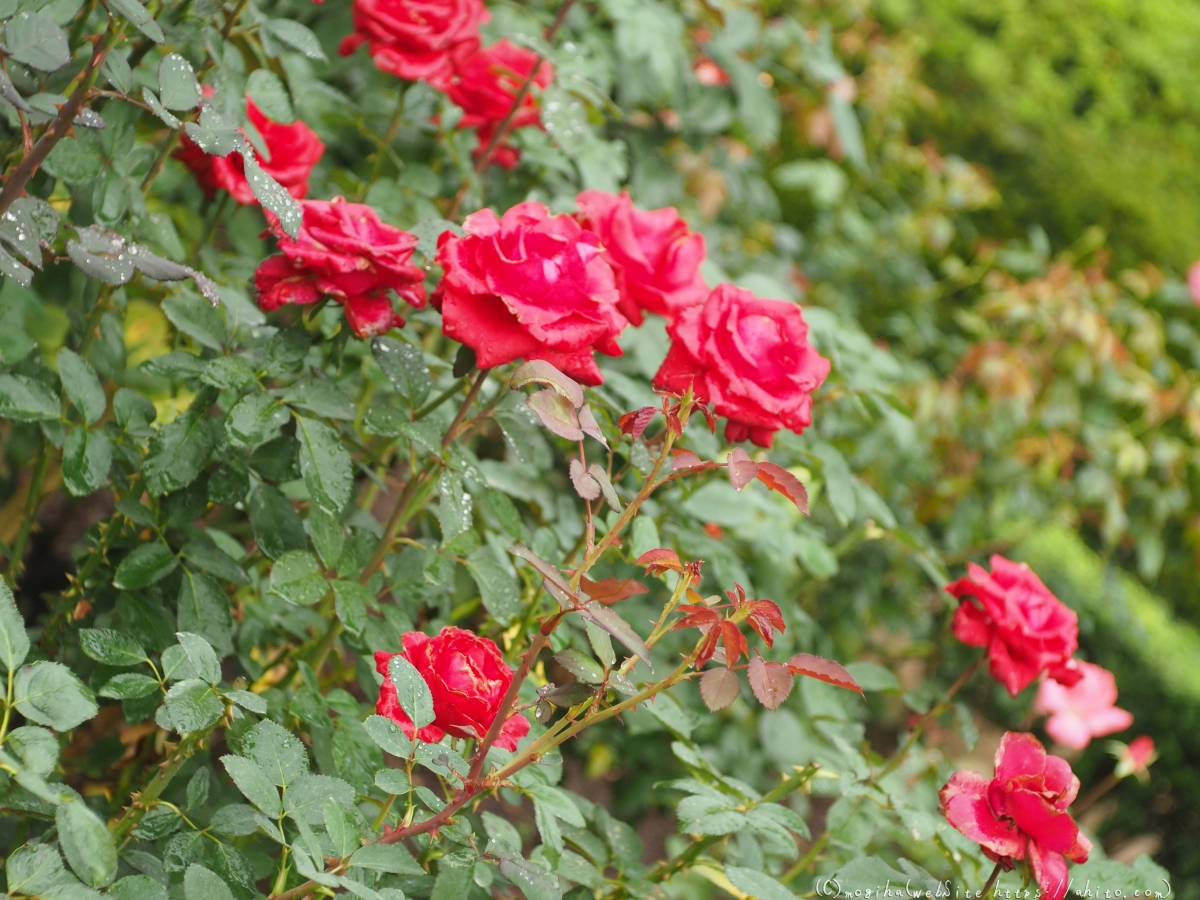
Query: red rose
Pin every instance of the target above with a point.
(1022, 812)
(343, 251)
(529, 285)
(1026, 629)
(413, 39)
(484, 83)
(654, 253)
(467, 678)
(750, 358)
(294, 150)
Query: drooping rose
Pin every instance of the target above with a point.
(1083, 711)
(1022, 812)
(1026, 629)
(345, 252)
(750, 358)
(529, 285)
(294, 150)
(414, 39)
(655, 255)
(467, 678)
(486, 81)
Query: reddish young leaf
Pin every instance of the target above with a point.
(659, 560)
(708, 414)
(766, 619)
(586, 486)
(697, 617)
(719, 688)
(587, 421)
(707, 647)
(777, 478)
(634, 423)
(541, 372)
(771, 682)
(742, 469)
(552, 579)
(684, 459)
(556, 413)
(613, 590)
(824, 670)
(734, 641)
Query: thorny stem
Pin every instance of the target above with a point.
(32, 501)
(381, 151)
(991, 882)
(451, 432)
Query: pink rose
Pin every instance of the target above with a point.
(1193, 280)
(750, 358)
(1022, 812)
(1083, 711)
(655, 255)
(343, 251)
(1026, 629)
(414, 39)
(529, 285)
(468, 679)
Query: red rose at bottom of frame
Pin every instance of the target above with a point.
(468, 679)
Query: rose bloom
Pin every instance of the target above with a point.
(343, 251)
(529, 285)
(709, 74)
(1083, 711)
(1193, 280)
(1134, 758)
(1026, 629)
(654, 253)
(466, 676)
(413, 39)
(750, 358)
(1022, 812)
(484, 83)
(294, 150)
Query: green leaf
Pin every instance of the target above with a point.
(757, 884)
(558, 803)
(248, 700)
(411, 691)
(37, 871)
(255, 419)
(137, 887)
(872, 676)
(49, 694)
(270, 95)
(139, 18)
(201, 656)
(390, 858)
(177, 454)
(34, 40)
(113, 648)
(297, 578)
(325, 465)
(276, 526)
(178, 88)
(350, 601)
(203, 609)
(254, 784)
(81, 385)
(405, 367)
(277, 750)
(580, 665)
(86, 842)
(273, 197)
(11, 267)
(306, 797)
(341, 829)
(326, 534)
(14, 642)
(200, 883)
(297, 37)
(191, 705)
(134, 412)
(497, 588)
(195, 318)
(25, 399)
(388, 735)
(236, 820)
(146, 564)
(229, 373)
(128, 686)
(321, 397)
(534, 881)
(76, 160)
(87, 458)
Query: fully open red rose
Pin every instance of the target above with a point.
(750, 358)
(654, 253)
(413, 39)
(1022, 812)
(1026, 629)
(484, 84)
(467, 678)
(294, 150)
(529, 285)
(343, 251)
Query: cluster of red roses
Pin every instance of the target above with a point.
(437, 41)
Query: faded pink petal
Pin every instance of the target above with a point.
(1083, 711)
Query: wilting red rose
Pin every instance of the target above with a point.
(294, 150)
(750, 358)
(484, 84)
(343, 251)
(654, 253)
(1083, 711)
(467, 678)
(1022, 812)
(1026, 629)
(413, 39)
(529, 285)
